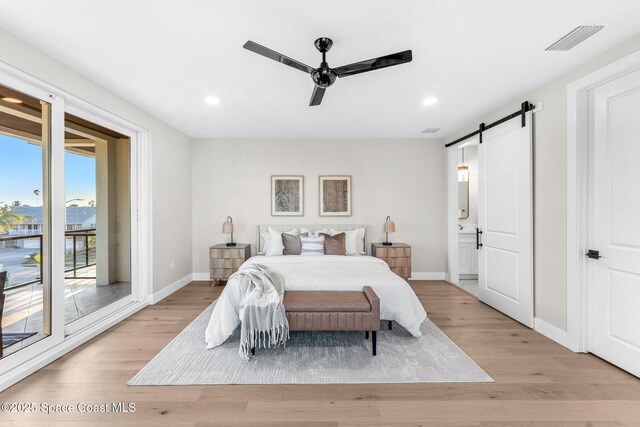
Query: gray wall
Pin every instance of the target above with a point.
(171, 157)
(550, 192)
(401, 178)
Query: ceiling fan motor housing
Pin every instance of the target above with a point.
(324, 76)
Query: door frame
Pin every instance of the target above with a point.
(453, 237)
(578, 194)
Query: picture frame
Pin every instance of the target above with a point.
(335, 195)
(287, 195)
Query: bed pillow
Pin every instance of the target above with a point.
(273, 241)
(334, 245)
(292, 244)
(312, 245)
(360, 241)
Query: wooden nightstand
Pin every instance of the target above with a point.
(397, 256)
(225, 260)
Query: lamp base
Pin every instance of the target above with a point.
(231, 244)
(387, 243)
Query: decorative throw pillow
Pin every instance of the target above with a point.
(292, 244)
(312, 245)
(351, 240)
(334, 245)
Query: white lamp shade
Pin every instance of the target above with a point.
(227, 227)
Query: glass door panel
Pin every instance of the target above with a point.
(25, 211)
(97, 222)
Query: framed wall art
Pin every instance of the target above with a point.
(335, 195)
(287, 195)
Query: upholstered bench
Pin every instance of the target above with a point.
(334, 311)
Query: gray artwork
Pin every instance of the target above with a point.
(286, 195)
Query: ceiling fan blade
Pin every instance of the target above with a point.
(316, 96)
(272, 54)
(374, 64)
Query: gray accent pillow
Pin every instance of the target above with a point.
(335, 245)
(292, 244)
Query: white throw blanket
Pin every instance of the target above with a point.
(263, 319)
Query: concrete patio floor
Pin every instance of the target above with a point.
(23, 306)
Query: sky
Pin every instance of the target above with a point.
(21, 173)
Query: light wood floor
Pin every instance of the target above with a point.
(537, 382)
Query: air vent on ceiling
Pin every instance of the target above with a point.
(430, 130)
(578, 35)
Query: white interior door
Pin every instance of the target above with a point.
(505, 218)
(614, 279)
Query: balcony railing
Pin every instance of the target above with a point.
(21, 256)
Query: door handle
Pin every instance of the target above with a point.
(478, 233)
(593, 254)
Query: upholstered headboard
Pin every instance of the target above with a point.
(282, 228)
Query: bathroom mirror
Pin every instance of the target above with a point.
(463, 192)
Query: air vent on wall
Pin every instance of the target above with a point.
(430, 130)
(578, 35)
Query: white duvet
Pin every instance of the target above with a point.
(398, 302)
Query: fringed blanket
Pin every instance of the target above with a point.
(263, 319)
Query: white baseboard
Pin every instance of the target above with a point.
(552, 332)
(165, 292)
(417, 275)
(201, 276)
(32, 365)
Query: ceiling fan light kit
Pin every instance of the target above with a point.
(324, 76)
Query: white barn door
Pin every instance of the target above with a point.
(614, 279)
(505, 219)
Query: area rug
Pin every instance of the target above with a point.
(9, 339)
(312, 358)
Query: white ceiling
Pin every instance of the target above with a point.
(167, 56)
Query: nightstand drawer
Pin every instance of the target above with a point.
(392, 252)
(398, 262)
(226, 262)
(228, 253)
(404, 272)
(222, 273)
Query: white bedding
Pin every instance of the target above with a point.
(398, 302)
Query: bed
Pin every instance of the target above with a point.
(398, 302)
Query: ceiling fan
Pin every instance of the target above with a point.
(324, 76)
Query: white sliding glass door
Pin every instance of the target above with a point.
(97, 222)
(73, 254)
(28, 211)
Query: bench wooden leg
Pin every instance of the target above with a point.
(374, 339)
(366, 335)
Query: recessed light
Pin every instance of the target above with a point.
(212, 100)
(11, 100)
(430, 100)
